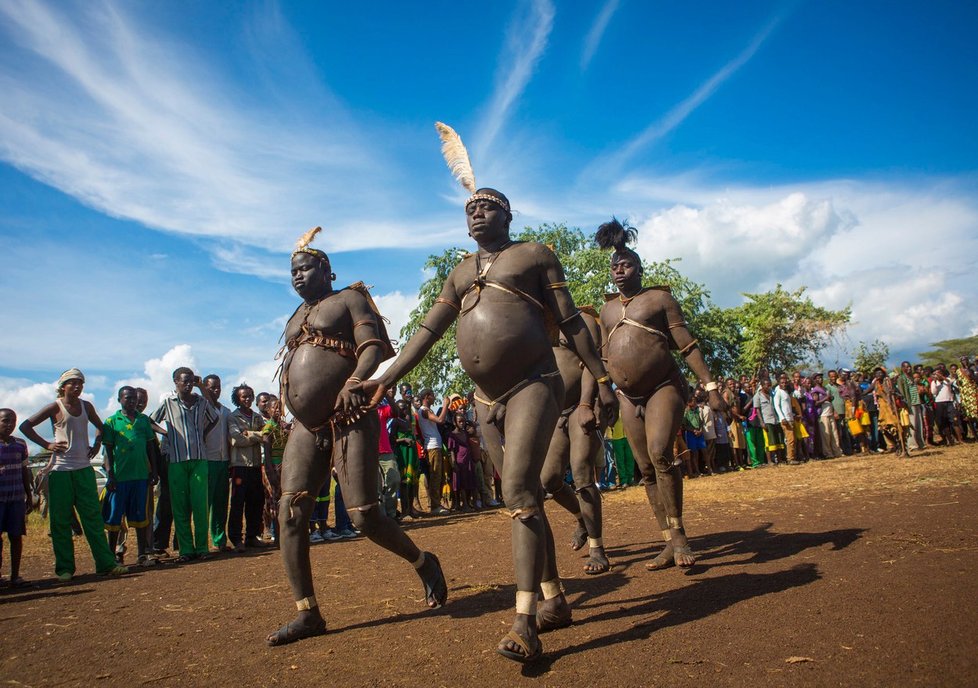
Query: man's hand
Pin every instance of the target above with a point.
(57, 446)
(609, 403)
(585, 417)
(370, 391)
(717, 402)
(94, 449)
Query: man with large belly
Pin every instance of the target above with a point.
(503, 296)
(640, 326)
(332, 342)
(576, 441)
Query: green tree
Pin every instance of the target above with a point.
(950, 351)
(783, 329)
(869, 356)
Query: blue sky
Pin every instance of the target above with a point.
(158, 160)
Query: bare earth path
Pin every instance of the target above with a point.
(858, 571)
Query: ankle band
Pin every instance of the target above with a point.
(526, 603)
(667, 535)
(551, 588)
(595, 542)
(306, 603)
(674, 522)
(419, 563)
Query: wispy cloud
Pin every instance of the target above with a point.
(141, 126)
(672, 119)
(596, 33)
(526, 39)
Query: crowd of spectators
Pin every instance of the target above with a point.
(200, 479)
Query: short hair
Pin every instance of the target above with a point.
(125, 388)
(237, 390)
(182, 370)
(4, 411)
(143, 390)
(212, 376)
(426, 392)
(261, 394)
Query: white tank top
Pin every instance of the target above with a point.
(74, 431)
(429, 430)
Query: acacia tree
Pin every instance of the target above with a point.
(589, 279)
(950, 351)
(782, 329)
(866, 357)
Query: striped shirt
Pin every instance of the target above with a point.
(185, 427)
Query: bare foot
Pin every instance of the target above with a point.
(597, 562)
(435, 587)
(681, 551)
(579, 538)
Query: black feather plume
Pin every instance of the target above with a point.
(615, 234)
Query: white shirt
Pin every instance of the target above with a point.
(782, 406)
(942, 391)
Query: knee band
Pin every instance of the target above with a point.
(523, 514)
(526, 603)
(551, 588)
(361, 509)
(583, 487)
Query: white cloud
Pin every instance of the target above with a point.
(156, 378)
(27, 398)
(596, 32)
(526, 39)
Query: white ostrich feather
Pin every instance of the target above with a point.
(456, 156)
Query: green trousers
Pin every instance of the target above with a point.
(624, 461)
(188, 497)
(218, 491)
(755, 446)
(76, 490)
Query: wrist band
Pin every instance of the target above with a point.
(354, 379)
(603, 379)
(711, 386)
(584, 405)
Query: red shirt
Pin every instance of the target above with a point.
(384, 443)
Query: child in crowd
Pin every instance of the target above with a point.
(708, 418)
(463, 452)
(693, 436)
(15, 494)
(724, 454)
(274, 437)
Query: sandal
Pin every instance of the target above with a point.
(595, 566)
(293, 631)
(436, 591)
(520, 642)
(680, 551)
(579, 538)
(663, 560)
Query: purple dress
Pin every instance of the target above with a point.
(463, 473)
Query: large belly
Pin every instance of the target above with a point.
(315, 377)
(501, 342)
(638, 361)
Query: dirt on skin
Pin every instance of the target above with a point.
(858, 571)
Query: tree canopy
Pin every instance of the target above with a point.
(869, 356)
(950, 351)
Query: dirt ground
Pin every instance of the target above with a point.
(857, 571)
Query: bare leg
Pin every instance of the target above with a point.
(663, 415)
(531, 415)
(16, 550)
(583, 451)
(355, 455)
(635, 431)
(552, 477)
(305, 468)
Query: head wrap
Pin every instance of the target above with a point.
(458, 162)
(70, 374)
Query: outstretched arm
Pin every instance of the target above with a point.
(435, 324)
(690, 350)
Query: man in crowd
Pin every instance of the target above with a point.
(432, 441)
(218, 457)
(189, 419)
(908, 390)
(828, 430)
(786, 417)
(247, 489)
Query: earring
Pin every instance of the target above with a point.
(332, 277)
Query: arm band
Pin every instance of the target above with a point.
(369, 321)
(689, 347)
(367, 343)
(672, 326)
(439, 335)
(570, 317)
(452, 304)
(557, 285)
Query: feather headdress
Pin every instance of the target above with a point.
(302, 245)
(456, 156)
(458, 162)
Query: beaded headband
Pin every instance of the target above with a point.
(488, 197)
